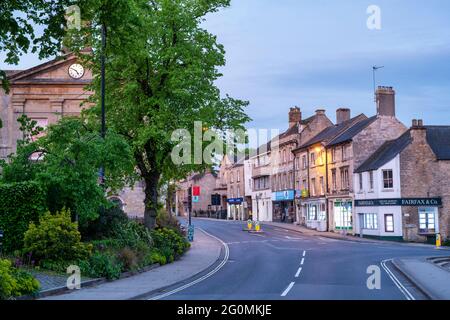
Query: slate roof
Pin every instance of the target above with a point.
(332, 132)
(352, 131)
(388, 151)
(438, 137)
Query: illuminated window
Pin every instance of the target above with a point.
(370, 221)
(389, 222)
(427, 220)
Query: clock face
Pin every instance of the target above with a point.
(76, 71)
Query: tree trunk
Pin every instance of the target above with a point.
(151, 199)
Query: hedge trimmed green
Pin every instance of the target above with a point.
(20, 204)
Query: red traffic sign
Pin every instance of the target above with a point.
(196, 190)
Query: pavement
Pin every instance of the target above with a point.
(432, 279)
(203, 254)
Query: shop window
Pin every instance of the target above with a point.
(312, 212)
(370, 221)
(343, 215)
(388, 179)
(389, 222)
(427, 220)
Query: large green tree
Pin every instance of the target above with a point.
(161, 71)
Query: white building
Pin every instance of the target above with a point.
(377, 189)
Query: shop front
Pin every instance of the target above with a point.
(342, 215)
(411, 219)
(236, 209)
(283, 206)
(315, 214)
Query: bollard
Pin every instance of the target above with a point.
(249, 225)
(257, 227)
(438, 240)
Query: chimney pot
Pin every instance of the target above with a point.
(420, 123)
(342, 114)
(320, 111)
(385, 97)
(414, 123)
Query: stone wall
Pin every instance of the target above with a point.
(422, 176)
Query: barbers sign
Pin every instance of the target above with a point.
(403, 202)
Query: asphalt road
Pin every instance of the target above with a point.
(282, 264)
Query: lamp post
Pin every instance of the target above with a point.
(102, 91)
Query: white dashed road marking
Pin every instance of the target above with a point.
(285, 292)
(298, 272)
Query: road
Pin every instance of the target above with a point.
(281, 264)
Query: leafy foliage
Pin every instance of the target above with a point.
(70, 155)
(103, 227)
(55, 239)
(162, 67)
(20, 204)
(15, 282)
(170, 243)
(102, 264)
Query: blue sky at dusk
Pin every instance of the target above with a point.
(319, 54)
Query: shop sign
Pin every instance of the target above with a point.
(403, 202)
(235, 200)
(287, 195)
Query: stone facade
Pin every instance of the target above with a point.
(46, 93)
(423, 176)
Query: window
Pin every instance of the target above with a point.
(389, 222)
(238, 179)
(313, 159)
(313, 186)
(312, 212)
(388, 180)
(231, 177)
(333, 155)
(304, 184)
(333, 180)
(427, 220)
(344, 153)
(238, 191)
(345, 183)
(370, 221)
(304, 164)
(360, 179)
(371, 180)
(231, 192)
(322, 186)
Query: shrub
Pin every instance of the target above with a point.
(102, 264)
(166, 220)
(128, 258)
(15, 282)
(20, 204)
(55, 239)
(105, 224)
(132, 234)
(170, 243)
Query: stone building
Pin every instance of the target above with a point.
(202, 205)
(45, 93)
(237, 206)
(283, 176)
(414, 172)
(337, 152)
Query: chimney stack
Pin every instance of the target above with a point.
(385, 97)
(320, 111)
(342, 114)
(418, 131)
(295, 116)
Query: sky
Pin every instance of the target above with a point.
(318, 54)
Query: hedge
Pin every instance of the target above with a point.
(20, 204)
